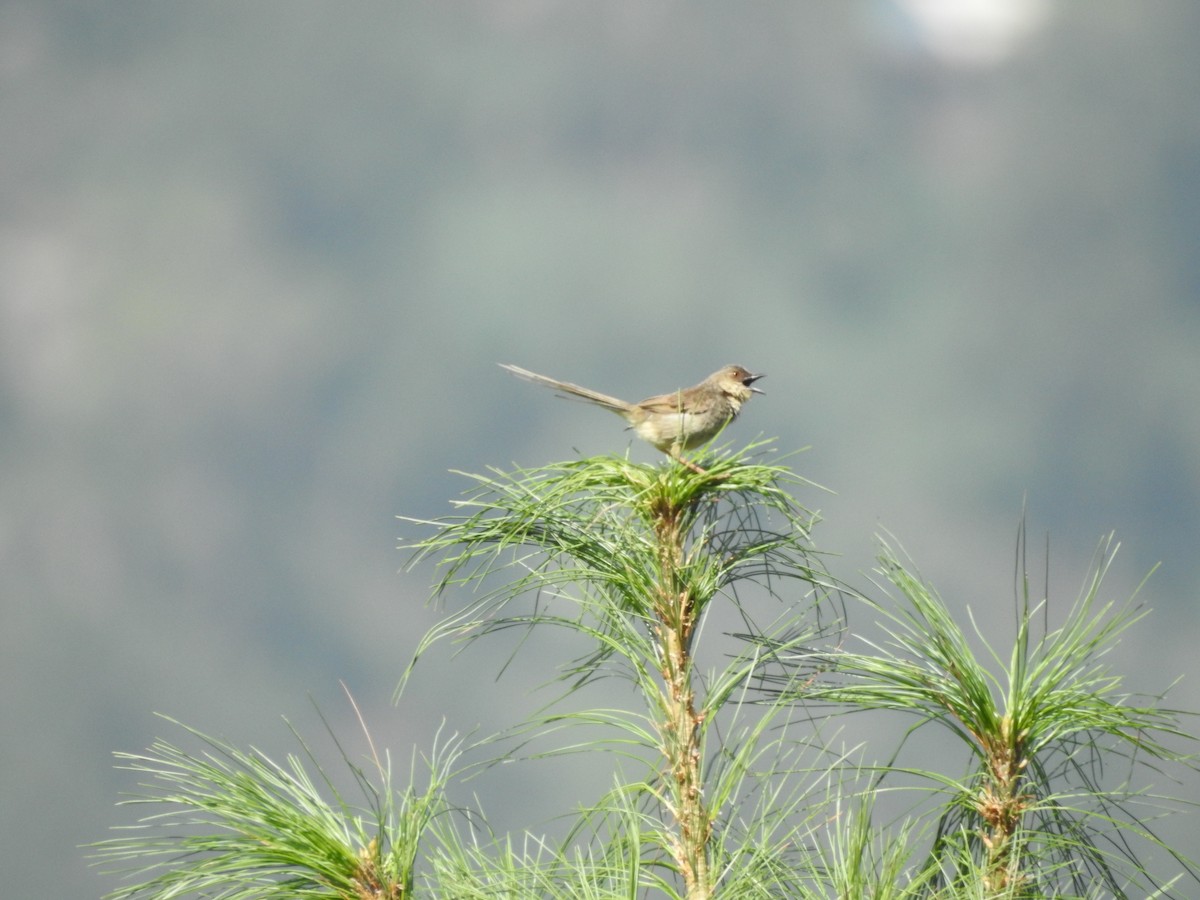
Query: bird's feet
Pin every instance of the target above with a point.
(698, 469)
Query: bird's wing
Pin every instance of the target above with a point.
(665, 403)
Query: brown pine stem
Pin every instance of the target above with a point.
(1001, 805)
(680, 729)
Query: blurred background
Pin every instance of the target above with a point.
(258, 263)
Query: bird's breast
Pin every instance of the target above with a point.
(684, 430)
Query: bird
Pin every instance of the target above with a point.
(672, 422)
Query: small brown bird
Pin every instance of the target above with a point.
(671, 422)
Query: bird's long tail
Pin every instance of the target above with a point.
(620, 407)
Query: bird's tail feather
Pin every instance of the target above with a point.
(573, 390)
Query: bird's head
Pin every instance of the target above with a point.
(736, 382)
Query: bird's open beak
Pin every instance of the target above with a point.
(749, 382)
